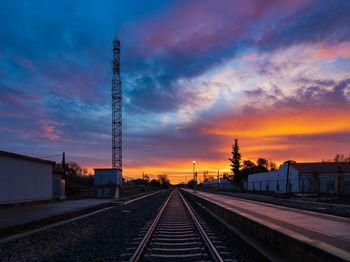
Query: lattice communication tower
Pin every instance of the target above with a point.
(116, 108)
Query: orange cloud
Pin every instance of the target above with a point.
(307, 121)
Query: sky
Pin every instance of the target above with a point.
(195, 76)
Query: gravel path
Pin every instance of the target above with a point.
(101, 237)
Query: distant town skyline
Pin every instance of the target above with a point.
(195, 76)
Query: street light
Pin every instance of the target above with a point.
(194, 177)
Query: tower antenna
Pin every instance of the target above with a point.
(116, 108)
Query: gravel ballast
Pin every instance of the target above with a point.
(101, 237)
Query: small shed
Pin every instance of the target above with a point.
(24, 178)
(107, 182)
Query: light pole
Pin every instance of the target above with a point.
(218, 180)
(194, 177)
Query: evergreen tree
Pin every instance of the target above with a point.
(236, 163)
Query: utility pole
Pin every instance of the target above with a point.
(116, 108)
(287, 182)
(64, 165)
(194, 177)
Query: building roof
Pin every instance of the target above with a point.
(13, 155)
(322, 167)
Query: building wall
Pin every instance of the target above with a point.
(22, 180)
(268, 181)
(329, 182)
(107, 177)
(275, 180)
(105, 181)
(305, 183)
(347, 183)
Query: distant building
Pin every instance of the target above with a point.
(24, 178)
(222, 184)
(324, 177)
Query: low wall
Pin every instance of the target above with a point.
(81, 192)
(128, 190)
(289, 248)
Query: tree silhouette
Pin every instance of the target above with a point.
(236, 163)
(248, 164)
(248, 168)
(272, 166)
(263, 163)
(163, 181)
(341, 158)
(191, 183)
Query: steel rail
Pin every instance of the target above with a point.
(136, 256)
(215, 254)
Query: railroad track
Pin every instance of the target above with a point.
(176, 235)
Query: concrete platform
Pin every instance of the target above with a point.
(312, 231)
(19, 215)
(16, 219)
(327, 208)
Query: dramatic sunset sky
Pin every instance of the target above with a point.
(196, 74)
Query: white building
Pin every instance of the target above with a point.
(327, 177)
(24, 178)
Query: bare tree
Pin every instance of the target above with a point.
(341, 158)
